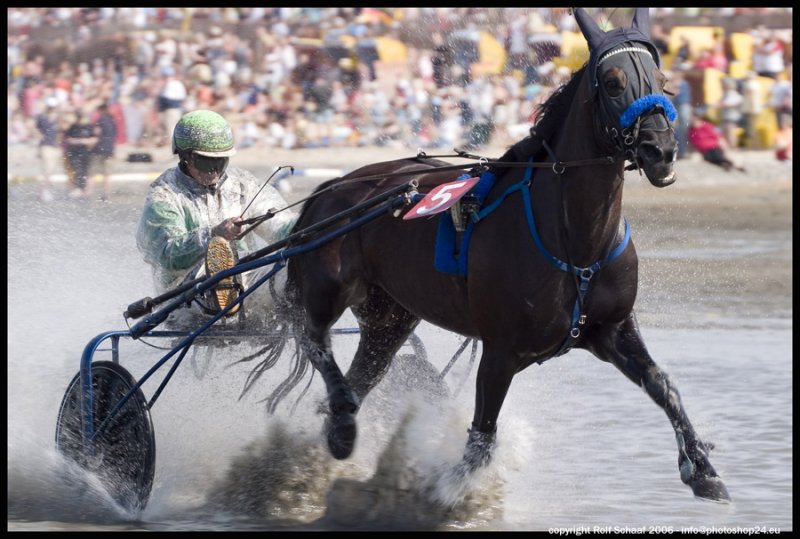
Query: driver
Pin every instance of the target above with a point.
(191, 221)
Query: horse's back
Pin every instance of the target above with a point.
(393, 254)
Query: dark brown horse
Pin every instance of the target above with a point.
(549, 266)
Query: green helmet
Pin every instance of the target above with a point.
(203, 132)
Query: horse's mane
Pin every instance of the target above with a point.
(549, 120)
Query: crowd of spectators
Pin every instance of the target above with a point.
(285, 77)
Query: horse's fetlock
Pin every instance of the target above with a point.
(480, 445)
(686, 467)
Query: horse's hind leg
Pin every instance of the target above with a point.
(623, 346)
(384, 327)
(315, 342)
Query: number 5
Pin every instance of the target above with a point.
(441, 198)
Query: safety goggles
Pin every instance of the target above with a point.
(207, 164)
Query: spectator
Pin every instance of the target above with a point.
(133, 110)
(751, 107)
(730, 112)
(711, 58)
(768, 57)
(79, 139)
(660, 38)
(103, 151)
(682, 99)
(684, 53)
(783, 142)
(367, 51)
(442, 60)
(145, 54)
(465, 52)
(50, 154)
(350, 77)
(781, 99)
(304, 75)
(516, 44)
(320, 95)
(704, 60)
(18, 129)
(170, 102)
(704, 137)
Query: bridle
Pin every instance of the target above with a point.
(620, 129)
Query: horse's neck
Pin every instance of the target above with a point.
(585, 201)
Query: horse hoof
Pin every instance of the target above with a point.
(710, 488)
(341, 435)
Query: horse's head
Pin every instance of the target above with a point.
(633, 114)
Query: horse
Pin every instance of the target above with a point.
(549, 265)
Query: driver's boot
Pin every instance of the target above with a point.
(221, 255)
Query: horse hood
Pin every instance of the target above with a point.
(601, 42)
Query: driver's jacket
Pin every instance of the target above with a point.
(179, 213)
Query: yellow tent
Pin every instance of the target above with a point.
(700, 37)
(574, 51)
(712, 85)
(391, 50)
(742, 48)
(492, 56)
(375, 15)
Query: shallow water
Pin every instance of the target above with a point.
(578, 444)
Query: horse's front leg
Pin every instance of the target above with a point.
(494, 377)
(623, 346)
(340, 425)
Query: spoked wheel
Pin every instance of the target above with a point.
(125, 452)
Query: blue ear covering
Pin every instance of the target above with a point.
(643, 104)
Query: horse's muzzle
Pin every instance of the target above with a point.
(656, 154)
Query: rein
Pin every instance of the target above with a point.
(557, 166)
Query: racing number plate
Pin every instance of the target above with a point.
(440, 198)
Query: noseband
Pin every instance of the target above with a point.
(622, 129)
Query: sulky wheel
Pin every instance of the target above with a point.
(417, 346)
(412, 369)
(125, 452)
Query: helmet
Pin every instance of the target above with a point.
(203, 132)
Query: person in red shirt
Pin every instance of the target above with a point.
(705, 138)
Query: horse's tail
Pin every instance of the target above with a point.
(283, 324)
